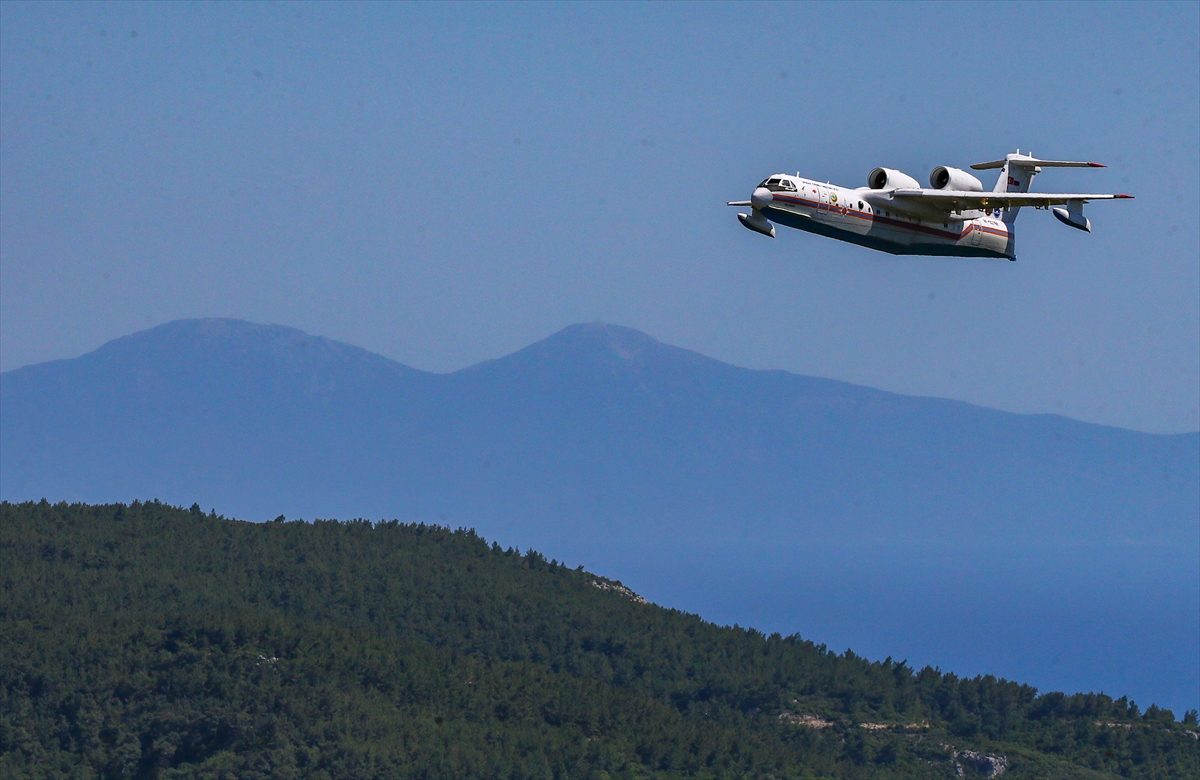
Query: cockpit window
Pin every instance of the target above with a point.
(778, 184)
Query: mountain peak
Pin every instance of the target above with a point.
(625, 343)
(220, 332)
(595, 346)
(215, 358)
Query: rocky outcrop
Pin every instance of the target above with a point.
(621, 590)
(810, 721)
(989, 766)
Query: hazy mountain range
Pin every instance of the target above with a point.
(712, 487)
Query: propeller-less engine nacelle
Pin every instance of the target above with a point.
(945, 178)
(888, 179)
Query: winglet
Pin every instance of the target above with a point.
(1123, 195)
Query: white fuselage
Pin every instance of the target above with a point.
(875, 219)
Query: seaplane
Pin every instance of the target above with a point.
(954, 216)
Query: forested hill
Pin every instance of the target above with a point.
(147, 641)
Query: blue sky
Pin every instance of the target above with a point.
(447, 183)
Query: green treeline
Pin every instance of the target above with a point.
(146, 641)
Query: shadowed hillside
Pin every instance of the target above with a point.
(145, 641)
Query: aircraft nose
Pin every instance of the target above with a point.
(761, 197)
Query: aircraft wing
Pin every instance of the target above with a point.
(961, 199)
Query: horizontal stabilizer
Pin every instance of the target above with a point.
(1025, 161)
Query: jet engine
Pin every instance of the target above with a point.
(944, 178)
(888, 179)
